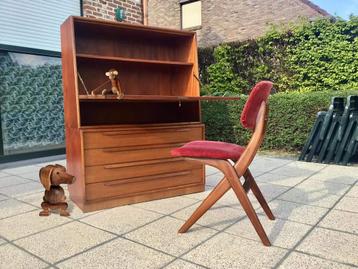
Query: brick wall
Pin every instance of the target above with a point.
(104, 9)
(232, 20)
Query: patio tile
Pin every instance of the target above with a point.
(12, 207)
(2, 174)
(37, 198)
(303, 261)
(230, 199)
(270, 191)
(181, 264)
(163, 235)
(214, 179)
(310, 198)
(61, 162)
(227, 251)
(296, 212)
(12, 180)
(282, 233)
(20, 169)
(312, 185)
(119, 253)
(33, 175)
(122, 219)
(13, 257)
(28, 223)
(64, 241)
(333, 245)
(336, 174)
(166, 206)
(348, 204)
(353, 192)
(218, 217)
(264, 164)
(297, 169)
(200, 195)
(209, 170)
(341, 220)
(22, 189)
(281, 179)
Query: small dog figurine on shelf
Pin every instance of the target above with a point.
(51, 177)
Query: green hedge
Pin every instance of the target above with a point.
(310, 56)
(291, 117)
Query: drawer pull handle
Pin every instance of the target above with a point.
(121, 165)
(138, 179)
(110, 150)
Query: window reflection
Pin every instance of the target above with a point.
(31, 103)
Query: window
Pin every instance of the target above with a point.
(31, 102)
(190, 14)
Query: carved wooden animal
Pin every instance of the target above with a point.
(51, 176)
(112, 74)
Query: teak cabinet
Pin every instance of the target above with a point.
(119, 149)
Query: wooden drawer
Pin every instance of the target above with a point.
(128, 154)
(142, 185)
(141, 136)
(110, 172)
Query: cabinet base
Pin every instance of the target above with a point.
(88, 206)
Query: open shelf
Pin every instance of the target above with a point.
(155, 98)
(138, 112)
(131, 60)
(125, 41)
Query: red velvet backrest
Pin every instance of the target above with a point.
(259, 93)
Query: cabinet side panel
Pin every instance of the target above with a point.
(194, 89)
(74, 155)
(69, 74)
(75, 165)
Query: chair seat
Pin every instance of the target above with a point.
(210, 150)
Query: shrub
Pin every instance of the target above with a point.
(291, 118)
(311, 56)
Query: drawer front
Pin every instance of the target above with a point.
(142, 185)
(110, 172)
(128, 154)
(143, 136)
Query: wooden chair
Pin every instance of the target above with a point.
(219, 154)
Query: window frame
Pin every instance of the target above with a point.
(34, 154)
(185, 2)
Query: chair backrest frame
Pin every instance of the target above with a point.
(255, 141)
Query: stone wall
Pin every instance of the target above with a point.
(105, 9)
(232, 20)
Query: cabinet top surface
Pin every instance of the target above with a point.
(129, 26)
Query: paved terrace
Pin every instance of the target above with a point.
(316, 227)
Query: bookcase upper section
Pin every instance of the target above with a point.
(150, 61)
(157, 72)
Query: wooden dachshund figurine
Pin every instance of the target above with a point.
(51, 177)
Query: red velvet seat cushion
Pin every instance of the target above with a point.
(209, 149)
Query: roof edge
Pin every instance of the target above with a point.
(317, 8)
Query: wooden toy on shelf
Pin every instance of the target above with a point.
(51, 176)
(116, 89)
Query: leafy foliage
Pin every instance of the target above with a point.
(311, 56)
(291, 118)
(309, 63)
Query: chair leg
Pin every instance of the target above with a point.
(258, 194)
(235, 183)
(209, 201)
